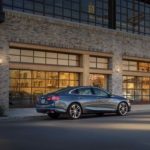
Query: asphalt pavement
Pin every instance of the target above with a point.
(108, 132)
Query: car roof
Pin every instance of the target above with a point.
(76, 87)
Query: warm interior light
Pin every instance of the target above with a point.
(118, 69)
(1, 61)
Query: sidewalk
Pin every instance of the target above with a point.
(22, 113)
(30, 113)
(140, 108)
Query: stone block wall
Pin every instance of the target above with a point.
(27, 28)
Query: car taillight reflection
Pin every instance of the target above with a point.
(53, 98)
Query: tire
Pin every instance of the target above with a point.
(122, 109)
(53, 115)
(74, 111)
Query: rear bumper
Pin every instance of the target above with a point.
(48, 109)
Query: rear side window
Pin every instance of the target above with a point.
(75, 92)
(82, 91)
(98, 92)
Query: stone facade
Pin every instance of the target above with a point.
(27, 28)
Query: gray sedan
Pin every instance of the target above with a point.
(76, 101)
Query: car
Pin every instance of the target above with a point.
(75, 101)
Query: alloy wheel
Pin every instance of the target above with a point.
(122, 109)
(74, 111)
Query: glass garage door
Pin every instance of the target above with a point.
(25, 85)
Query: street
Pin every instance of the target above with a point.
(108, 132)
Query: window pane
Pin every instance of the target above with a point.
(15, 58)
(64, 76)
(14, 74)
(133, 63)
(103, 66)
(25, 83)
(38, 74)
(74, 83)
(18, 3)
(63, 56)
(51, 75)
(74, 76)
(14, 51)
(51, 83)
(92, 65)
(28, 4)
(63, 83)
(125, 62)
(39, 54)
(25, 93)
(73, 63)
(51, 55)
(144, 67)
(27, 52)
(27, 59)
(125, 68)
(98, 80)
(39, 60)
(73, 57)
(92, 59)
(38, 7)
(51, 61)
(133, 68)
(62, 62)
(14, 83)
(38, 91)
(38, 83)
(102, 60)
(25, 74)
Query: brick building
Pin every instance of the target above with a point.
(49, 44)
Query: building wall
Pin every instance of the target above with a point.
(39, 30)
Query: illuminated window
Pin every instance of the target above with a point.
(144, 66)
(98, 80)
(136, 66)
(137, 88)
(26, 84)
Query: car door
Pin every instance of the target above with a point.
(86, 97)
(104, 101)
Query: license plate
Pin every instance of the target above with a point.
(43, 101)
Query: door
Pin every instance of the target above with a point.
(104, 100)
(86, 97)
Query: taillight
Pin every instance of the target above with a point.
(53, 98)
